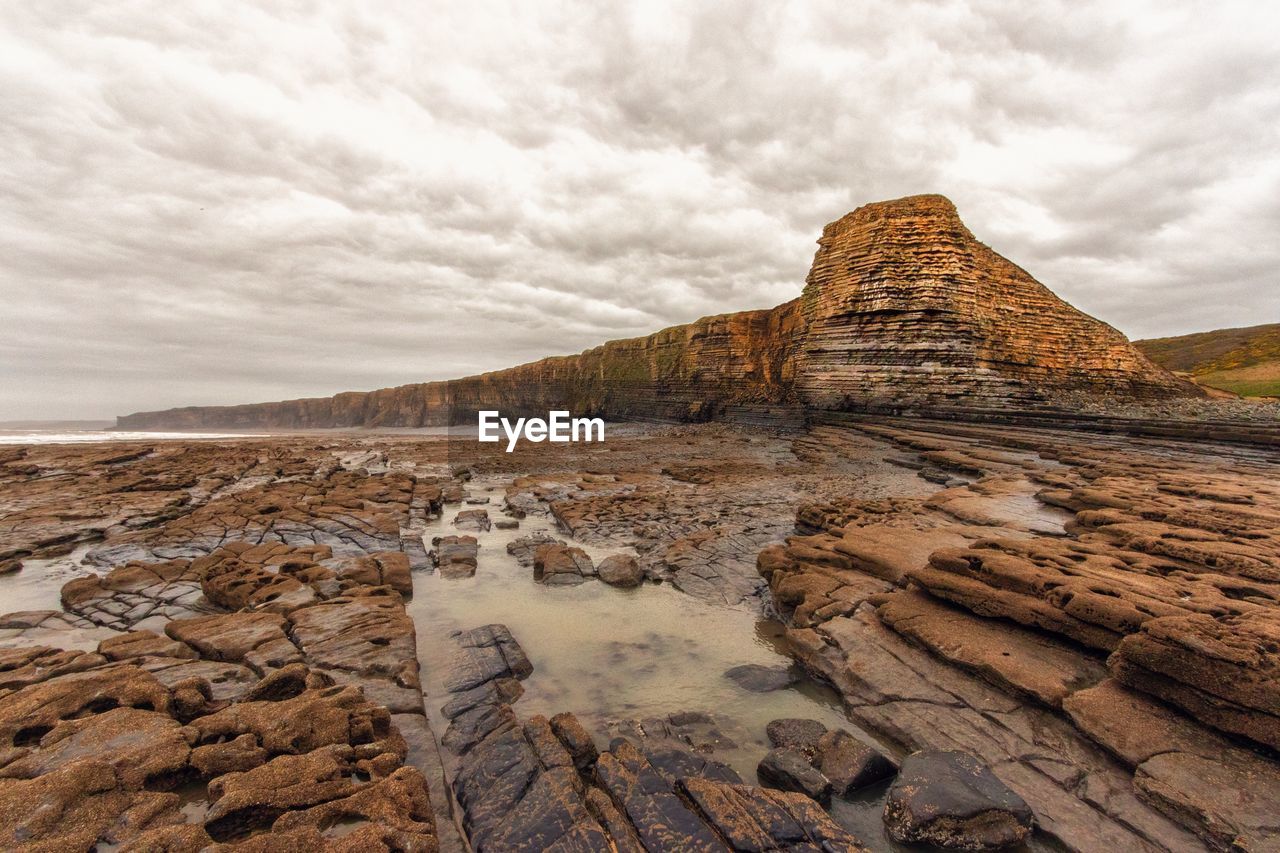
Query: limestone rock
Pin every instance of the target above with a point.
(142, 644)
(382, 568)
(661, 820)
(29, 714)
(71, 807)
(524, 547)
(490, 653)
(759, 819)
(141, 746)
(472, 519)
(903, 307)
(577, 740)
(455, 556)
(1224, 672)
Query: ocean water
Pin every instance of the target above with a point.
(39, 436)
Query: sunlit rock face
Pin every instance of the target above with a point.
(903, 309)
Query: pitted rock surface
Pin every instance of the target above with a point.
(251, 644)
(1015, 592)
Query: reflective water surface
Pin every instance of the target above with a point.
(609, 654)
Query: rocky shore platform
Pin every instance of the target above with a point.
(965, 636)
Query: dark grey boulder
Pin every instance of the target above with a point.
(950, 799)
(762, 679)
(849, 763)
(796, 733)
(790, 770)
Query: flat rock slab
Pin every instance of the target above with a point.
(472, 519)
(1188, 768)
(1020, 660)
(952, 800)
(908, 696)
(1226, 673)
(751, 818)
(486, 654)
(455, 556)
(257, 640)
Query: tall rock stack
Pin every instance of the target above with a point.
(903, 309)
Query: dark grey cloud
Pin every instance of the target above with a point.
(255, 201)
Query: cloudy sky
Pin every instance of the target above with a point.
(224, 202)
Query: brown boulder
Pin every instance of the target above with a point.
(620, 570)
(455, 556)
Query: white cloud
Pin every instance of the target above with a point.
(253, 201)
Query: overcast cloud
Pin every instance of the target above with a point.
(223, 202)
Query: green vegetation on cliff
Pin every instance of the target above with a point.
(1243, 361)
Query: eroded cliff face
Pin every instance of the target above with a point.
(693, 372)
(903, 308)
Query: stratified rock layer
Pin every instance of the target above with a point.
(1093, 618)
(903, 308)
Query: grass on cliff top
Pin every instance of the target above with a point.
(1242, 361)
(1219, 350)
(1259, 380)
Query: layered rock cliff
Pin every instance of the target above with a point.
(903, 308)
(685, 373)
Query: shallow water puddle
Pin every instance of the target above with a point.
(610, 654)
(38, 584)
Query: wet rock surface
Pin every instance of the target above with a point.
(455, 556)
(988, 616)
(555, 563)
(849, 763)
(789, 770)
(253, 649)
(949, 799)
(761, 679)
(1091, 616)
